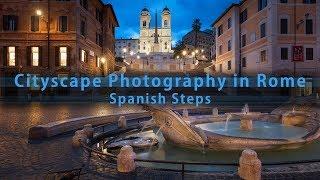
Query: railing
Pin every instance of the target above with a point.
(183, 164)
(111, 158)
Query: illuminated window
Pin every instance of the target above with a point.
(98, 61)
(63, 56)
(83, 56)
(35, 56)
(12, 56)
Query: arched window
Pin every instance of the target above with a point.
(166, 45)
(165, 23)
(144, 23)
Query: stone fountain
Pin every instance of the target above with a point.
(196, 134)
(246, 118)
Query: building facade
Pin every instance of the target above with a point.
(265, 36)
(155, 39)
(202, 40)
(57, 37)
(126, 47)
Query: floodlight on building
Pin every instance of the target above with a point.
(124, 50)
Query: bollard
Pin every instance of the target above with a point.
(215, 112)
(88, 130)
(185, 113)
(126, 160)
(78, 138)
(122, 122)
(249, 165)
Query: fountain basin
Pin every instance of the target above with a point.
(182, 133)
(135, 142)
(294, 119)
(262, 130)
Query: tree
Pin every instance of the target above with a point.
(196, 27)
(179, 48)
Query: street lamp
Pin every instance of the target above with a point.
(193, 56)
(184, 53)
(124, 50)
(40, 14)
(102, 60)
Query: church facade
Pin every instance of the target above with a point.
(155, 39)
(155, 47)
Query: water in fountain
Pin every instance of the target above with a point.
(227, 122)
(155, 137)
(146, 124)
(203, 149)
(245, 109)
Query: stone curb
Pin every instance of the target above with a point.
(56, 128)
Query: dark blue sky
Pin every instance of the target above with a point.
(183, 12)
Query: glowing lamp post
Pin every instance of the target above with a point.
(124, 50)
(193, 56)
(39, 13)
(131, 55)
(103, 61)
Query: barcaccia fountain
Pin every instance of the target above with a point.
(253, 130)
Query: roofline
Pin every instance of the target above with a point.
(226, 11)
(114, 14)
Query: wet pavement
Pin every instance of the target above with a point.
(20, 159)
